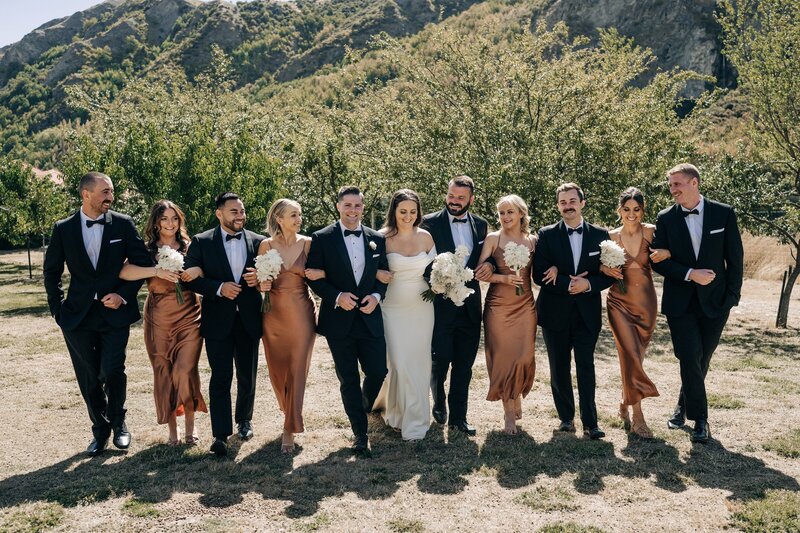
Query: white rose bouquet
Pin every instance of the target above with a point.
(449, 277)
(612, 255)
(268, 266)
(516, 257)
(171, 260)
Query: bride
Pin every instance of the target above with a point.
(407, 318)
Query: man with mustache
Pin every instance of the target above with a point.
(569, 307)
(456, 330)
(230, 320)
(96, 315)
(702, 281)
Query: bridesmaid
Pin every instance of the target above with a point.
(171, 330)
(632, 315)
(509, 319)
(289, 326)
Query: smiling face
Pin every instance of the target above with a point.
(631, 213)
(97, 198)
(684, 189)
(458, 200)
(406, 214)
(168, 225)
(570, 206)
(231, 216)
(291, 221)
(351, 209)
(509, 216)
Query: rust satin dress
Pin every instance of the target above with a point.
(632, 317)
(173, 342)
(509, 322)
(289, 335)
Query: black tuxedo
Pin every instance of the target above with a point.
(456, 330)
(353, 337)
(697, 314)
(96, 335)
(570, 322)
(231, 328)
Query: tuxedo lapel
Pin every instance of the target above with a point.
(251, 252)
(219, 245)
(369, 263)
(344, 255)
(446, 233)
(107, 231)
(709, 223)
(685, 239)
(76, 232)
(476, 249)
(584, 249)
(566, 248)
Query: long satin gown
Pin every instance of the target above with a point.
(173, 342)
(408, 328)
(509, 322)
(289, 335)
(632, 317)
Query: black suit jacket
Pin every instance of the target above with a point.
(720, 250)
(438, 225)
(555, 304)
(120, 241)
(208, 252)
(329, 253)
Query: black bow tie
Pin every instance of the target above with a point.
(101, 221)
(356, 232)
(692, 212)
(235, 236)
(578, 230)
(460, 220)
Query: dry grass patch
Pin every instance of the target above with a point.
(786, 445)
(724, 401)
(568, 527)
(140, 509)
(33, 518)
(405, 525)
(777, 512)
(547, 499)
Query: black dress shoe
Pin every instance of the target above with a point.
(245, 430)
(360, 444)
(701, 432)
(219, 447)
(566, 426)
(96, 447)
(122, 438)
(464, 427)
(440, 415)
(678, 418)
(594, 433)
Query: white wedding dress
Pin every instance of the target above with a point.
(408, 328)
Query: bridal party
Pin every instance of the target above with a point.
(402, 309)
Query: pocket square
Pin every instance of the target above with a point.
(376, 255)
(591, 254)
(112, 241)
(713, 231)
(480, 242)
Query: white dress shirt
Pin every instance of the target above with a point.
(462, 233)
(236, 250)
(92, 237)
(357, 254)
(576, 243)
(695, 225)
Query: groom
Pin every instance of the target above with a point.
(702, 281)
(569, 309)
(230, 319)
(456, 330)
(349, 317)
(96, 315)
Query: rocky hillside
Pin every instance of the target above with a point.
(271, 42)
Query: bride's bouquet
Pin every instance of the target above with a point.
(449, 277)
(516, 257)
(268, 266)
(171, 260)
(612, 255)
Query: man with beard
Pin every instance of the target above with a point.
(96, 315)
(231, 316)
(569, 308)
(456, 330)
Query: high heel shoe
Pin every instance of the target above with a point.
(518, 407)
(287, 443)
(510, 423)
(639, 427)
(625, 416)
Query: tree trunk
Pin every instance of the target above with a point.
(789, 279)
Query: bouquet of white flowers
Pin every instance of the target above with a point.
(268, 266)
(449, 277)
(612, 255)
(171, 260)
(516, 257)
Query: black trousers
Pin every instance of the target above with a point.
(560, 346)
(98, 354)
(359, 347)
(242, 350)
(454, 348)
(695, 336)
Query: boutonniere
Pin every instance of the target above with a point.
(373, 246)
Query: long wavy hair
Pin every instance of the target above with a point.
(391, 217)
(151, 227)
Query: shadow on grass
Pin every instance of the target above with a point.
(441, 465)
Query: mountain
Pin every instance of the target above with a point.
(272, 43)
